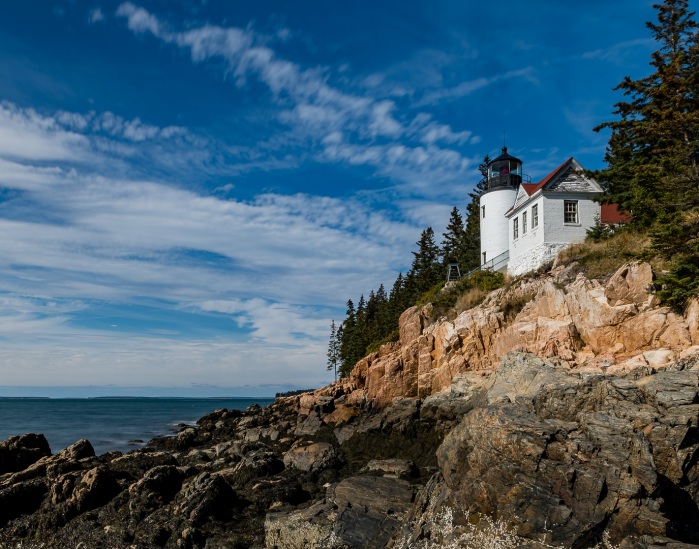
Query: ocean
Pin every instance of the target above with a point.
(108, 423)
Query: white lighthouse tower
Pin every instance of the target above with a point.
(504, 179)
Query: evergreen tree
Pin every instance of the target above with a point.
(334, 348)
(453, 239)
(652, 156)
(653, 153)
(348, 343)
(426, 269)
(397, 301)
(384, 324)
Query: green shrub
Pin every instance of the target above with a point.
(374, 346)
(681, 282)
(486, 280)
(514, 304)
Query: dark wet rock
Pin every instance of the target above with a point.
(310, 457)
(135, 464)
(206, 497)
(398, 468)
(361, 511)
(158, 486)
(21, 498)
(557, 455)
(19, 452)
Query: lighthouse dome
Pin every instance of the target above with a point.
(504, 171)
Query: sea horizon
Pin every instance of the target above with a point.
(110, 423)
(120, 391)
(130, 397)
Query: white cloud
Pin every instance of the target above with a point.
(430, 132)
(124, 236)
(122, 239)
(470, 86)
(618, 53)
(427, 170)
(70, 357)
(278, 264)
(26, 134)
(139, 20)
(347, 127)
(96, 15)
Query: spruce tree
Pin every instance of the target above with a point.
(652, 156)
(653, 153)
(397, 301)
(453, 239)
(348, 342)
(334, 348)
(426, 269)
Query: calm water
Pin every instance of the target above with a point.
(108, 423)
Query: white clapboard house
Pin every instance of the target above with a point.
(524, 225)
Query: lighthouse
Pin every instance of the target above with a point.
(504, 179)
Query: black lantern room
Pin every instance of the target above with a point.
(504, 171)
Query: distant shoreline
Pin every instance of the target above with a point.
(134, 398)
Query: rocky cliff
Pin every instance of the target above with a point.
(560, 412)
(577, 323)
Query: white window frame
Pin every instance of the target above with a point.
(524, 223)
(571, 214)
(515, 228)
(535, 216)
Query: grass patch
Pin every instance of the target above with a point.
(512, 306)
(470, 299)
(466, 293)
(599, 259)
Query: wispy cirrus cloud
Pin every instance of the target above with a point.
(358, 129)
(618, 53)
(470, 86)
(111, 124)
(24, 133)
(96, 15)
(110, 238)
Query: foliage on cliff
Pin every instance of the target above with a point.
(374, 321)
(653, 151)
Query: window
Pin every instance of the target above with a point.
(483, 210)
(524, 223)
(535, 216)
(515, 228)
(483, 258)
(570, 211)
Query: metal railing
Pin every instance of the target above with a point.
(495, 264)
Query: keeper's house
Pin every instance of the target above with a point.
(524, 225)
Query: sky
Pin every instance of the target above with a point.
(191, 190)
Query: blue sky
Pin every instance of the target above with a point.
(191, 190)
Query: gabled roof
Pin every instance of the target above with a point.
(531, 188)
(569, 177)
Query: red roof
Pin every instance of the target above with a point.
(531, 188)
(612, 214)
